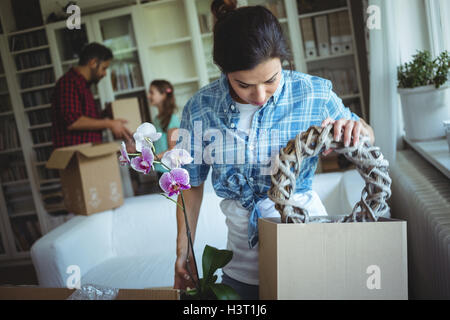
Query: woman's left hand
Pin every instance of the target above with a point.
(345, 130)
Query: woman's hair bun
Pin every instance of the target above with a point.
(220, 8)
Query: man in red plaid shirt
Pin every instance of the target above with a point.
(75, 117)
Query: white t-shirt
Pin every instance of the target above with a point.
(244, 265)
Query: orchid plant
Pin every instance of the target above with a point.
(173, 182)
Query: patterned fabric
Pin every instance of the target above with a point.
(72, 99)
(241, 164)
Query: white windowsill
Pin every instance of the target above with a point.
(435, 152)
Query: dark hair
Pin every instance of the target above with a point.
(94, 50)
(245, 37)
(169, 106)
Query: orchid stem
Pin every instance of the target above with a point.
(188, 232)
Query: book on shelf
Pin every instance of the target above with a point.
(323, 38)
(43, 153)
(37, 78)
(32, 59)
(26, 231)
(345, 30)
(343, 80)
(335, 33)
(13, 172)
(28, 40)
(2, 248)
(309, 41)
(9, 137)
(126, 76)
(40, 117)
(41, 135)
(310, 6)
(37, 98)
(5, 103)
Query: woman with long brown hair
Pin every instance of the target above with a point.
(161, 95)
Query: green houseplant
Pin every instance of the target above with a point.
(423, 87)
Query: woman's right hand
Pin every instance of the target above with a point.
(182, 278)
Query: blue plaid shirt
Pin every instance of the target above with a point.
(241, 163)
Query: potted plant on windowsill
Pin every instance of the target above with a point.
(423, 87)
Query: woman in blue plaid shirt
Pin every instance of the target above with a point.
(236, 125)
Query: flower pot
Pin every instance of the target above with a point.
(423, 109)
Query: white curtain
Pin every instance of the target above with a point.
(384, 58)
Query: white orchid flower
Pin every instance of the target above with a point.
(175, 158)
(145, 135)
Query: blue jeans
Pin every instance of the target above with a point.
(246, 291)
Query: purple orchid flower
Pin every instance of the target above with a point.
(174, 181)
(124, 158)
(144, 162)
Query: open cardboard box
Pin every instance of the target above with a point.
(127, 109)
(351, 261)
(37, 293)
(90, 177)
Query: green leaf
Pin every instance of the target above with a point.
(212, 260)
(224, 292)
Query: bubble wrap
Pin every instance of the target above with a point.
(94, 292)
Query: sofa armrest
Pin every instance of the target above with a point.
(81, 241)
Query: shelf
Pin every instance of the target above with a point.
(2, 93)
(319, 13)
(44, 144)
(47, 66)
(7, 113)
(184, 81)
(334, 56)
(157, 3)
(30, 49)
(69, 62)
(122, 92)
(435, 151)
(124, 51)
(207, 35)
(170, 42)
(40, 163)
(283, 20)
(10, 150)
(45, 86)
(15, 33)
(39, 126)
(13, 183)
(40, 107)
(22, 214)
(49, 181)
(350, 96)
(50, 187)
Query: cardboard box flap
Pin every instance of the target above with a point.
(100, 150)
(60, 158)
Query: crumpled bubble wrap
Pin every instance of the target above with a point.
(94, 292)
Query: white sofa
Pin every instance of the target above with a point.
(134, 246)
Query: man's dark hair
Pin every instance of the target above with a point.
(94, 50)
(245, 37)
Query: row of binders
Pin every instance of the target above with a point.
(327, 35)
